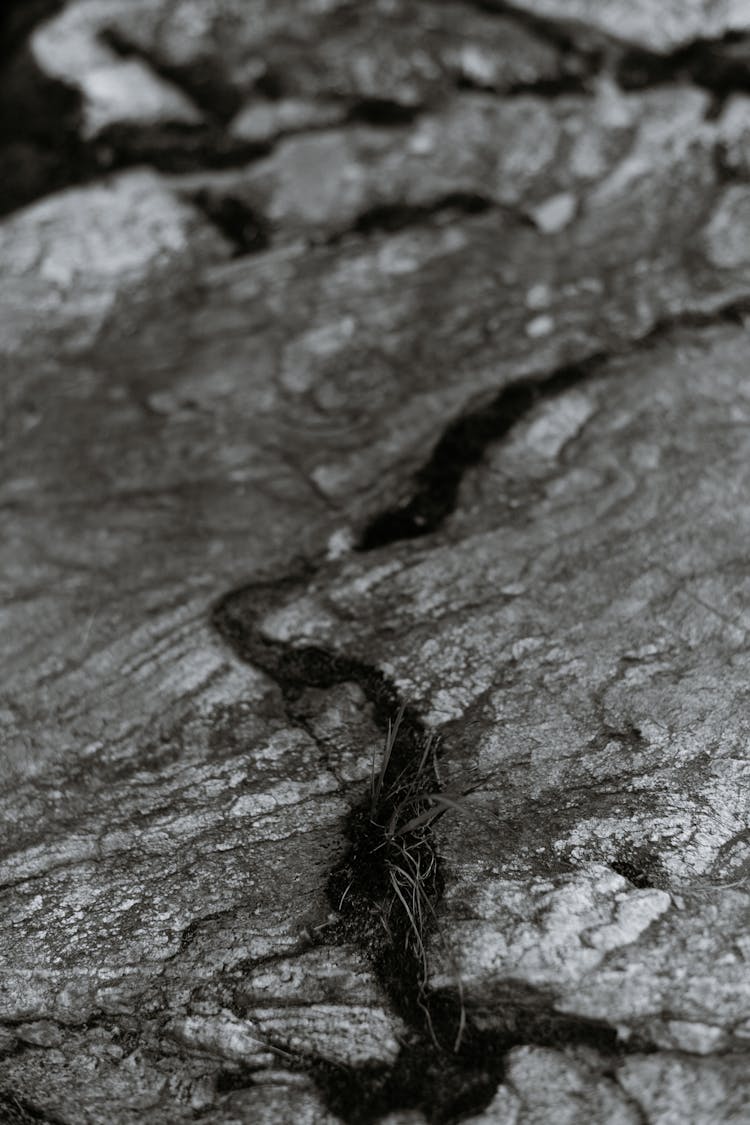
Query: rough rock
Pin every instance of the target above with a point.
(660, 28)
(610, 828)
(545, 1086)
(73, 262)
(227, 53)
(734, 131)
(441, 400)
(72, 49)
(522, 153)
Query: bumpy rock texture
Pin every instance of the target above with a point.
(357, 356)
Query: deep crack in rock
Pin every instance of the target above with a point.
(428, 1075)
(721, 66)
(246, 229)
(464, 442)
(449, 1066)
(462, 445)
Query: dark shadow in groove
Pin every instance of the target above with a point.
(721, 66)
(463, 445)
(578, 85)
(246, 229)
(390, 217)
(427, 1075)
(574, 41)
(446, 1087)
(40, 146)
(203, 82)
(18, 19)
(640, 866)
(382, 111)
(441, 1083)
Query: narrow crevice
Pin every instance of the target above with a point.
(391, 217)
(576, 84)
(40, 144)
(436, 485)
(245, 228)
(571, 39)
(443, 1074)
(631, 1101)
(462, 446)
(721, 66)
(440, 1074)
(573, 82)
(383, 112)
(202, 82)
(173, 148)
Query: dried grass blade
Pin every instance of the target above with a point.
(390, 742)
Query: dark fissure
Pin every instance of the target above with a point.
(443, 1074)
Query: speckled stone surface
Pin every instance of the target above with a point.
(356, 355)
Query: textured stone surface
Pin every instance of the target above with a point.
(528, 153)
(590, 666)
(310, 320)
(545, 1086)
(225, 51)
(70, 263)
(654, 27)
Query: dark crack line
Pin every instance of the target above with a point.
(383, 112)
(720, 66)
(388, 218)
(428, 1075)
(245, 228)
(443, 1084)
(630, 1099)
(203, 83)
(463, 444)
(569, 38)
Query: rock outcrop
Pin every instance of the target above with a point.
(371, 363)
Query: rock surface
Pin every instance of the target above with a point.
(659, 28)
(362, 355)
